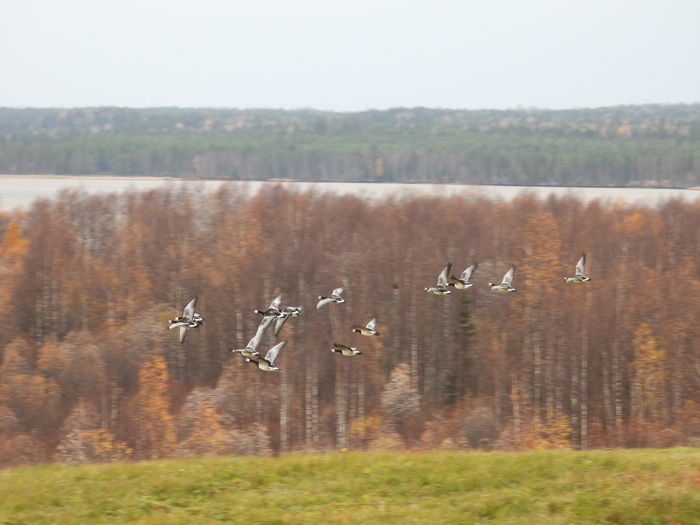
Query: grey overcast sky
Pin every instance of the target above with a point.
(349, 56)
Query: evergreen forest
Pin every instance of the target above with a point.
(89, 371)
(645, 145)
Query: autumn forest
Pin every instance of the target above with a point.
(89, 371)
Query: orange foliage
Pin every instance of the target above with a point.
(87, 283)
(157, 438)
(207, 437)
(527, 429)
(14, 245)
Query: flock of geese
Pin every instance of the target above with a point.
(275, 312)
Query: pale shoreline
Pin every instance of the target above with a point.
(90, 177)
(291, 181)
(18, 192)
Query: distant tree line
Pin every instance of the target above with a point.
(89, 372)
(625, 145)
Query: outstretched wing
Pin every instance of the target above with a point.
(338, 291)
(265, 323)
(183, 333)
(444, 276)
(255, 341)
(273, 352)
(467, 274)
(276, 302)
(280, 323)
(189, 309)
(508, 277)
(323, 301)
(581, 265)
(372, 324)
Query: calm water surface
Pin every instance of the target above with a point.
(19, 192)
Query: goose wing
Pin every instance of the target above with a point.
(372, 324)
(280, 323)
(338, 291)
(183, 333)
(188, 312)
(338, 346)
(255, 341)
(276, 302)
(508, 277)
(273, 352)
(581, 265)
(444, 276)
(323, 301)
(265, 323)
(467, 274)
(176, 325)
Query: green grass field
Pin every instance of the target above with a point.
(614, 486)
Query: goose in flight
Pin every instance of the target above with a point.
(332, 298)
(345, 350)
(188, 319)
(506, 285)
(286, 313)
(267, 363)
(250, 349)
(442, 282)
(462, 282)
(369, 329)
(271, 313)
(580, 276)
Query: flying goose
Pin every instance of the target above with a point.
(506, 285)
(345, 350)
(332, 298)
(441, 288)
(580, 276)
(250, 349)
(188, 319)
(268, 362)
(271, 313)
(286, 313)
(367, 330)
(462, 282)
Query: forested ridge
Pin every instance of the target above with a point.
(614, 146)
(89, 371)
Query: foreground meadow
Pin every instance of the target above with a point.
(620, 486)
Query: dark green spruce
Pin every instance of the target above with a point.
(652, 145)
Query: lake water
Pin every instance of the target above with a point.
(19, 192)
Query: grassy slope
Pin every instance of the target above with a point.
(621, 486)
